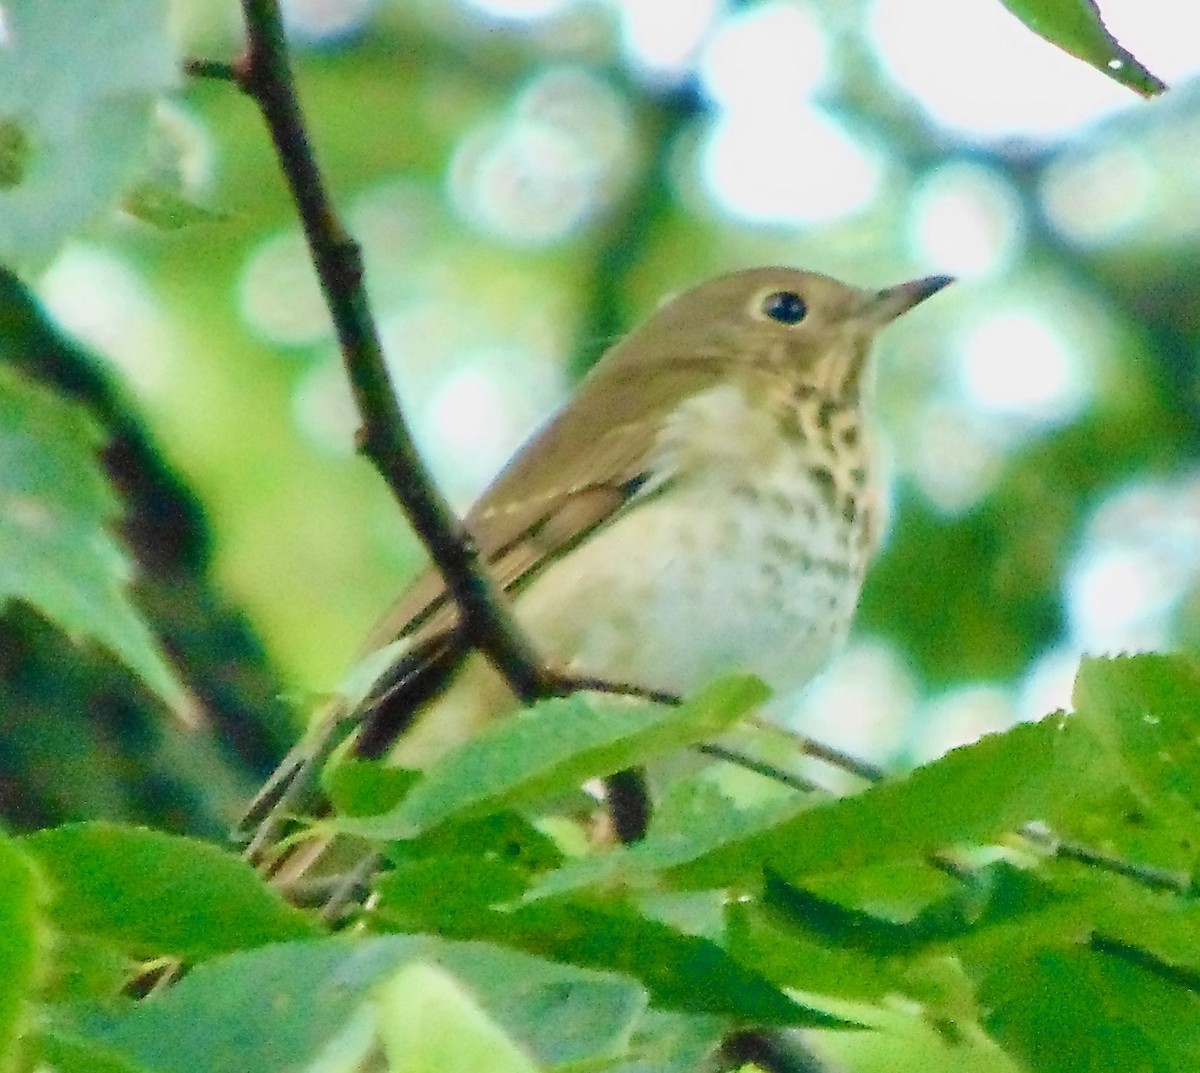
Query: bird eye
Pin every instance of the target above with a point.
(787, 307)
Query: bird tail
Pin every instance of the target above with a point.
(292, 792)
(273, 827)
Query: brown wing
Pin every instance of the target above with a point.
(565, 482)
(558, 487)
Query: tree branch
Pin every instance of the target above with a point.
(265, 75)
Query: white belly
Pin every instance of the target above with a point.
(674, 593)
(704, 577)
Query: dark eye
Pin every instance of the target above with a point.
(787, 307)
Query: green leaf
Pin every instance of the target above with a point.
(560, 1013)
(22, 937)
(429, 894)
(817, 944)
(14, 154)
(1074, 1011)
(976, 792)
(790, 957)
(366, 787)
(55, 552)
(839, 926)
(156, 894)
(1075, 26)
(553, 747)
(429, 1024)
(664, 1042)
(1146, 712)
(163, 206)
(65, 1053)
(280, 1007)
(1028, 913)
(503, 836)
(693, 820)
(1142, 803)
(682, 972)
(903, 1039)
(87, 968)
(77, 91)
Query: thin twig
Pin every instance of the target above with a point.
(1143, 874)
(834, 757)
(355, 882)
(213, 69)
(580, 683)
(759, 767)
(384, 437)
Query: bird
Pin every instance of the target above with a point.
(707, 501)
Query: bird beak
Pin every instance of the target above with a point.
(888, 304)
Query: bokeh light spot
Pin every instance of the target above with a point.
(517, 10)
(774, 51)
(1118, 595)
(478, 414)
(552, 165)
(953, 460)
(1099, 196)
(278, 295)
(662, 37)
(961, 716)
(974, 67)
(862, 701)
(323, 409)
(99, 298)
(760, 166)
(1016, 363)
(326, 21)
(1047, 685)
(966, 220)
(1140, 555)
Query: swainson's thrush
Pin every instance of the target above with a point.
(707, 501)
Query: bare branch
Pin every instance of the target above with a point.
(384, 437)
(1143, 874)
(759, 767)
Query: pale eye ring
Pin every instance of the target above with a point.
(786, 307)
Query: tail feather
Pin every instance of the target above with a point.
(368, 730)
(291, 791)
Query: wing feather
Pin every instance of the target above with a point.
(573, 476)
(565, 482)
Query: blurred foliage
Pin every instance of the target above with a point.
(82, 737)
(1007, 952)
(916, 924)
(57, 552)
